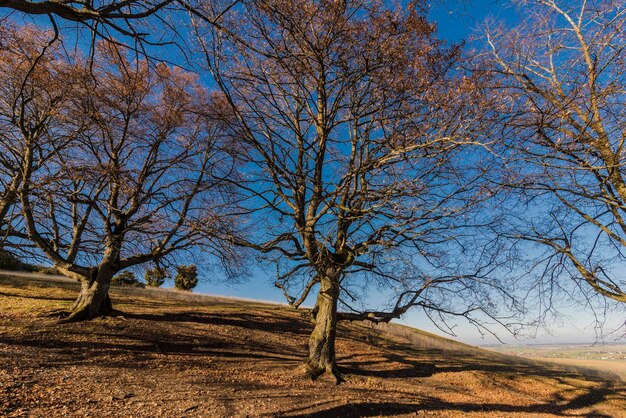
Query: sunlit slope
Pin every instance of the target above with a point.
(172, 354)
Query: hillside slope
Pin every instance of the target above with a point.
(172, 355)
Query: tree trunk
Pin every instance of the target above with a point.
(322, 341)
(94, 300)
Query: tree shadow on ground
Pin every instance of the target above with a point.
(556, 406)
(412, 367)
(239, 320)
(174, 337)
(434, 360)
(187, 339)
(137, 354)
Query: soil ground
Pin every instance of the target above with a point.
(173, 355)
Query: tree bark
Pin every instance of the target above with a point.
(322, 341)
(93, 300)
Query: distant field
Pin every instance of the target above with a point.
(172, 355)
(611, 358)
(614, 366)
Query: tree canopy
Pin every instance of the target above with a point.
(359, 157)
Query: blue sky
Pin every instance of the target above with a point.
(458, 20)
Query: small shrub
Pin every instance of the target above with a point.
(155, 277)
(126, 278)
(47, 270)
(186, 277)
(9, 261)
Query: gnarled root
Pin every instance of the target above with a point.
(313, 372)
(87, 307)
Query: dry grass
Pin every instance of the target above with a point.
(610, 368)
(168, 357)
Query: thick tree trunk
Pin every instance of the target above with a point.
(322, 341)
(94, 300)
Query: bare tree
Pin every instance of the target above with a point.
(137, 185)
(112, 13)
(356, 170)
(560, 84)
(36, 77)
(114, 18)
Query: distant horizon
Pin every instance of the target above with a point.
(560, 344)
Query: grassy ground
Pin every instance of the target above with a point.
(170, 357)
